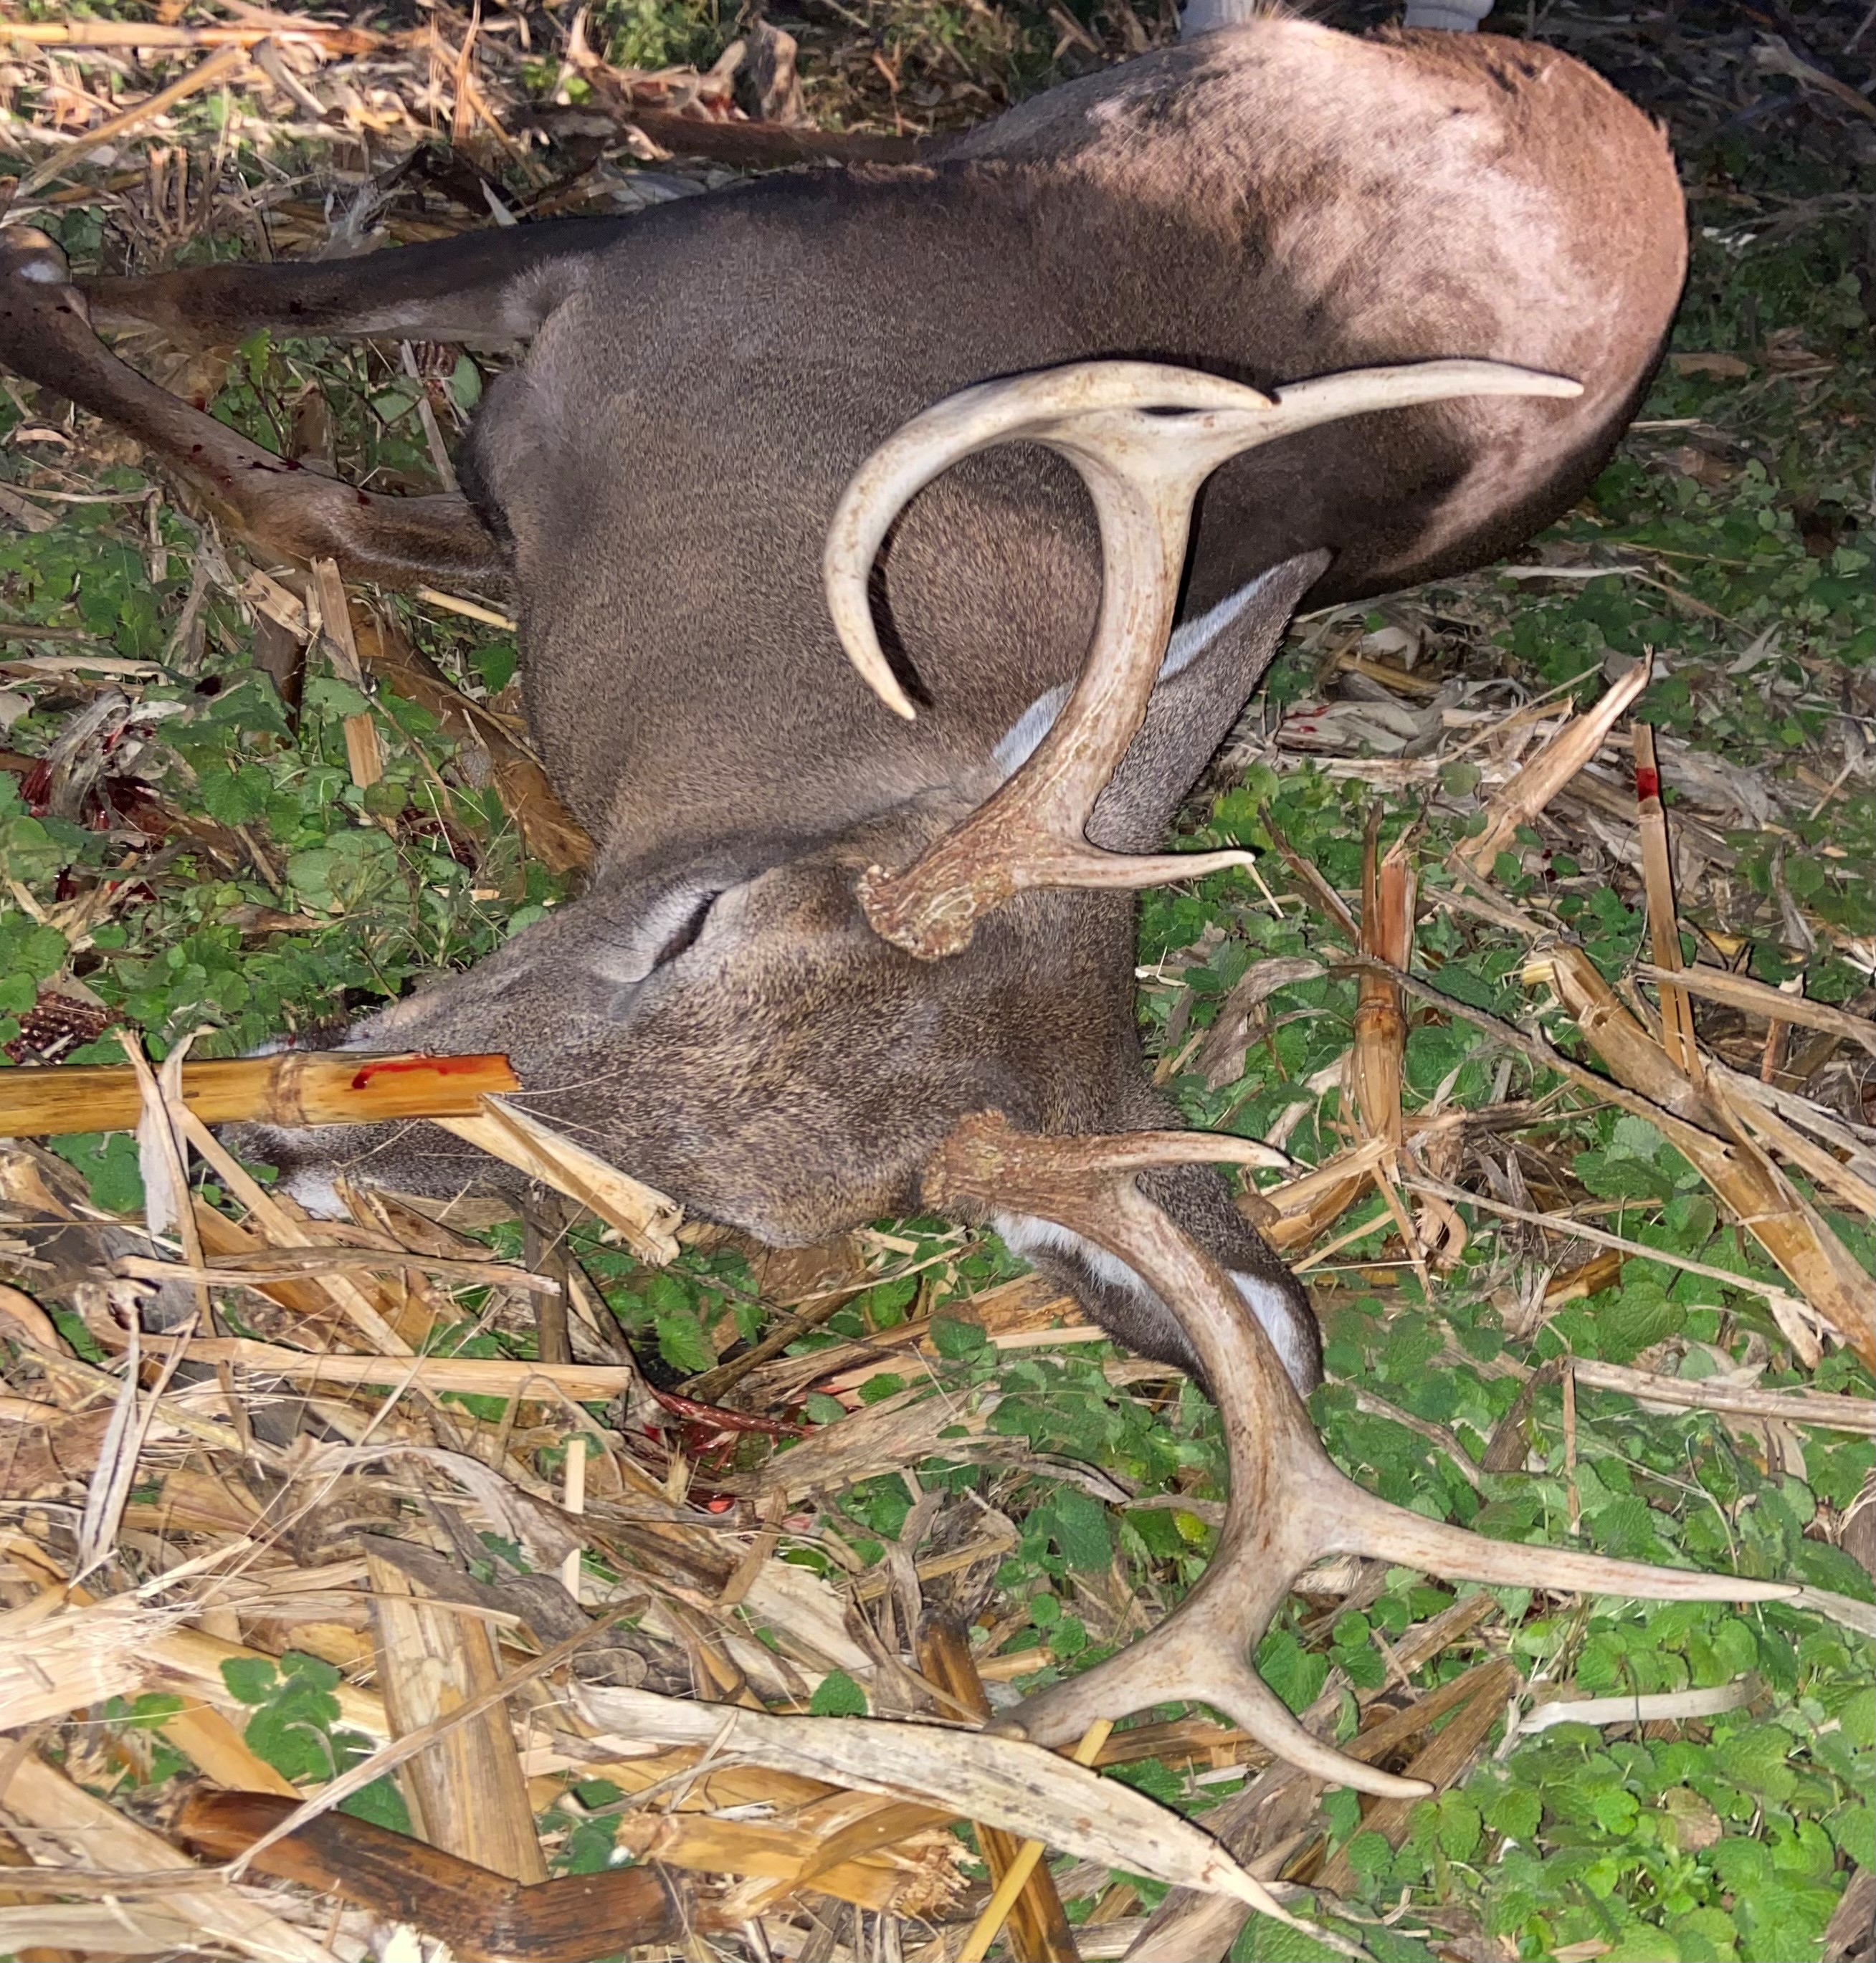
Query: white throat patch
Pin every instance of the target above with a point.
(1024, 1235)
(1019, 741)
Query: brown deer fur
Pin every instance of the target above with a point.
(1268, 203)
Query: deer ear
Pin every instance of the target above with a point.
(1212, 668)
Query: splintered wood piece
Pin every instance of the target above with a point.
(848, 1828)
(466, 1791)
(294, 1088)
(647, 1218)
(1308, 1207)
(1039, 1927)
(362, 751)
(1664, 928)
(1520, 800)
(1617, 1037)
(786, 1855)
(1769, 1128)
(482, 1916)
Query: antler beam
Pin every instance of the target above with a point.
(1289, 1506)
(1144, 438)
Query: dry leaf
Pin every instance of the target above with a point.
(979, 1775)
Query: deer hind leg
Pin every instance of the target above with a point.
(488, 287)
(47, 336)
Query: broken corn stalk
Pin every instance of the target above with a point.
(1525, 795)
(1664, 931)
(1381, 1026)
(1733, 1163)
(295, 1087)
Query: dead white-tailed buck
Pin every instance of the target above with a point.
(825, 928)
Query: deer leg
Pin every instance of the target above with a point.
(46, 336)
(490, 287)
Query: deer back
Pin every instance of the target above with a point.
(1267, 203)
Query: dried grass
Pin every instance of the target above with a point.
(251, 1550)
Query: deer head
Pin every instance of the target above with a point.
(779, 1032)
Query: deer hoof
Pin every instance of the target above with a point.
(26, 253)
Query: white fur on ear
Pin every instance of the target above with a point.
(1274, 1310)
(1017, 743)
(1191, 641)
(1024, 1233)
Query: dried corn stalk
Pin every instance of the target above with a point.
(362, 751)
(294, 1088)
(101, 1837)
(58, 1655)
(1764, 1203)
(466, 1791)
(1305, 1209)
(1520, 800)
(1758, 998)
(1005, 1782)
(1380, 1026)
(1664, 931)
(917, 1874)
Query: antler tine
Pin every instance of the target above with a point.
(1032, 408)
(1289, 1506)
(1143, 437)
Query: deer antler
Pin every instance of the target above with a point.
(1289, 1506)
(1143, 437)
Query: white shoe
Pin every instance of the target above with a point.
(1458, 16)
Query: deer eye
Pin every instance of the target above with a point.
(683, 936)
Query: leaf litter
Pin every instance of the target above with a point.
(1561, 1014)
